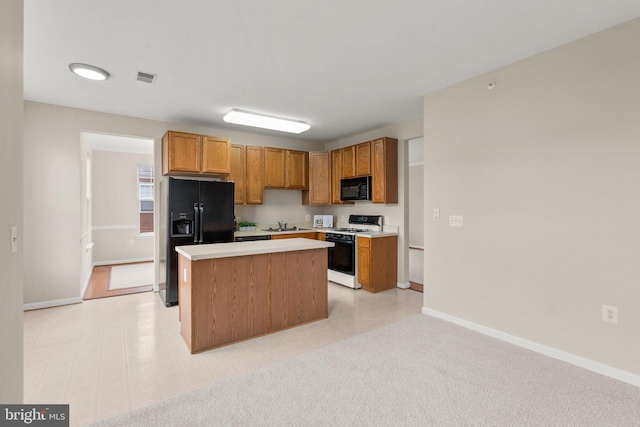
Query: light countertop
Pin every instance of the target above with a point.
(272, 233)
(375, 234)
(372, 234)
(236, 249)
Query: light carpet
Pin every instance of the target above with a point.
(131, 275)
(419, 371)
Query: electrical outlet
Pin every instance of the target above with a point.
(131, 242)
(455, 220)
(307, 218)
(609, 314)
(436, 212)
(386, 220)
(14, 239)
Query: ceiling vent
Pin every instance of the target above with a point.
(146, 77)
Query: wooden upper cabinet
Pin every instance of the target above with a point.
(356, 160)
(336, 176)
(237, 173)
(181, 153)
(286, 168)
(215, 155)
(319, 192)
(363, 159)
(255, 175)
(349, 162)
(297, 169)
(384, 176)
(192, 154)
(274, 163)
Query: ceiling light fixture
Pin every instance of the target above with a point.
(246, 118)
(88, 71)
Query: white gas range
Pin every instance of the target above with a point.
(343, 257)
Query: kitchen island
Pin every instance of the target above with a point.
(230, 292)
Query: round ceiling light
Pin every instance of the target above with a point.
(88, 71)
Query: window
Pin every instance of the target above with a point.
(145, 199)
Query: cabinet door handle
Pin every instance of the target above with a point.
(201, 218)
(197, 220)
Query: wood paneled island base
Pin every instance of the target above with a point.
(229, 299)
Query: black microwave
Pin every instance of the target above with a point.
(355, 188)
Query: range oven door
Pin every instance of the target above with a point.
(342, 257)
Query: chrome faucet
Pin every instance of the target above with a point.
(282, 224)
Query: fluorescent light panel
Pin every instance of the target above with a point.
(88, 71)
(246, 118)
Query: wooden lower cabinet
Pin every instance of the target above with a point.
(378, 263)
(225, 300)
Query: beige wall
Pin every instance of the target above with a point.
(55, 242)
(545, 169)
(11, 182)
(115, 212)
(398, 213)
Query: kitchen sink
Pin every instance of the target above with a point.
(285, 229)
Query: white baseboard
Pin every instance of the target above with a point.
(53, 303)
(122, 261)
(87, 280)
(405, 285)
(591, 365)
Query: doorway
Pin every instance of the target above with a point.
(416, 213)
(118, 215)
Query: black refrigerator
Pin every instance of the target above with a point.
(200, 212)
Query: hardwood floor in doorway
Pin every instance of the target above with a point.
(99, 285)
(416, 269)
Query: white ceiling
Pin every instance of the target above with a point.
(344, 66)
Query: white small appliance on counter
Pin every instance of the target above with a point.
(323, 221)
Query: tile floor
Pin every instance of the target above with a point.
(109, 356)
